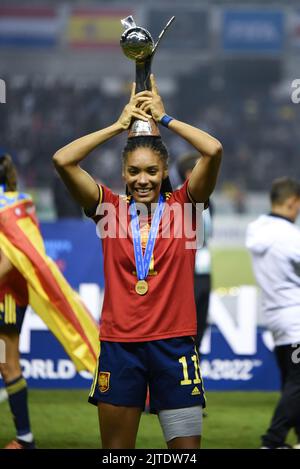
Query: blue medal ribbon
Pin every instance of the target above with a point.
(143, 263)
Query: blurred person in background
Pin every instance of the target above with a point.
(29, 276)
(202, 276)
(274, 243)
(65, 207)
(148, 318)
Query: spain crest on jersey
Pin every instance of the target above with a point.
(103, 381)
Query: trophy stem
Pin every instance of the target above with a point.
(142, 75)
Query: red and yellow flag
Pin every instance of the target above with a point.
(95, 27)
(50, 295)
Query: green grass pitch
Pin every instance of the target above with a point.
(64, 419)
(231, 267)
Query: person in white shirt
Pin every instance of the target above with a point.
(274, 243)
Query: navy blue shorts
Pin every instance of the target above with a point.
(11, 315)
(170, 368)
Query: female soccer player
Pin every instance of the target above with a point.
(148, 317)
(14, 300)
(27, 275)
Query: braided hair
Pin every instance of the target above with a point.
(8, 173)
(157, 146)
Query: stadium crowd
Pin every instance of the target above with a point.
(259, 131)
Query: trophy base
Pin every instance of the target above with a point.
(141, 128)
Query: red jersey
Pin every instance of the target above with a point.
(168, 308)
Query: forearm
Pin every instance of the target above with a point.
(80, 184)
(200, 140)
(203, 178)
(73, 153)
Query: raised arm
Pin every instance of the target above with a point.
(203, 178)
(204, 175)
(67, 160)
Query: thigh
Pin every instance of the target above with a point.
(118, 425)
(10, 366)
(182, 428)
(10, 338)
(175, 379)
(11, 320)
(121, 375)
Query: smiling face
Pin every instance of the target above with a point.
(143, 173)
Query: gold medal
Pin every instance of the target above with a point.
(141, 287)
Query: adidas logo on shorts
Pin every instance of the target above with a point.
(195, 391)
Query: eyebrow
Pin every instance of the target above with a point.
(148, 167)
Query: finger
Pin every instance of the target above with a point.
(137, 109)
(153, 84)
(144, 104)
(143, 107)
(133, 90)
(139, 116)
(147, 108)
(141, 99)
(144, 93)
(143, 113)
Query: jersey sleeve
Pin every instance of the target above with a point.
(105, 196)
(183, 196)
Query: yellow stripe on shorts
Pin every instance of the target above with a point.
(10, 315)
(95, 380)
(202, 384)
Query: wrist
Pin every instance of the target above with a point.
(165, 120)
(119, 127)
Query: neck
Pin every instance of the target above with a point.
(148, 207)
(283, 211)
